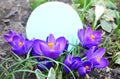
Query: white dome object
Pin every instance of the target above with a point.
(55, 18)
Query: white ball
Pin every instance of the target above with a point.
(55, 18)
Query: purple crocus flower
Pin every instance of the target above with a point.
(85, 68)
(95, 56)
(20, 45)
(53, 48)
(72, 62)
(36, 51)
(89, 38)
(9, 37)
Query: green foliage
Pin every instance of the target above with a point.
(81, 7)
(51, 74)
(112, 0)
(85, 8)
(118, 58)
(107, 26)
(108, 20)
(25, 65)
(90, 15)
(36, 3)
(118, 33)
(118, 25)
(60, 75)
(39, 74)
(110, 4)
(82, 3)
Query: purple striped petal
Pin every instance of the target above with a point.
(19, 51)
(88, 33)
(90, 51)
(62, 41)
(98, 53)
(81, 35)
(76, 62)
(67, 62)
(102, 64)
(81, 71)
(85, 68)
(49, 52)
(36, 48)
(50, 38)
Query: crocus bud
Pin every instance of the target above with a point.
(99, 10)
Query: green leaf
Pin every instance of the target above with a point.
(107, 26)
(51, 74)
(60, 75)
(117, 18)
(112, 0)
(90, 15)
(83, 3)
(110, 4)
(36, 3)
(39, 74)
(111, 13)
(118, 59)
(118, 33)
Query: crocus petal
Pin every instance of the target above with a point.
(81, 71)
(90, 51)
(76, 62)
(20, 34)
(6, 37)
(49, 52)
(44, 46)
(29, 44)
(88, 33)
(89, 64)
(76, 59)
(81, 35)
(19, 51)
(98, 53)
(57, 46)
(36, 48)
(16, 38)
(94, 61)
(11, 32)
(52, 54)
(87, 38)
(9, 36)
(103, 63)
(62, 41)
(97, 34)
(85, 68)
(97, 38)
(43, 65)
(50, 38)
(67, 62)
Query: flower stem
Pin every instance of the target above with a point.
(87, 76)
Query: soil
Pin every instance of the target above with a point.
(14, 15)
